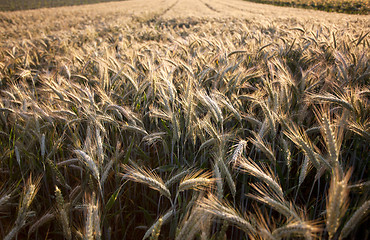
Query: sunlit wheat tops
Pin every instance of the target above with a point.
(147, 177)
(224, 210)
(263, 173)
(295, 229)
(197, 180)
(148, 125)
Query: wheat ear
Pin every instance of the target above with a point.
(226, 212)
(300, 228)
(274, 201)
(238, 151)
(262, 173)
(148, 177)
(87, 160)
(197, 180)
(164, 219)
(92, 219)
(337, 200)
(61, 206)
(29, 194)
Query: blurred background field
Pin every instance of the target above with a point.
(343, 6)
(14, 5)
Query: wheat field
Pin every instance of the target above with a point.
(184, 120)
